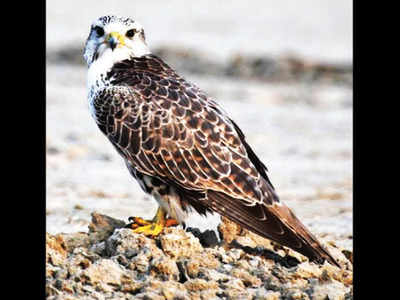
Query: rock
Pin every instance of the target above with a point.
(111, 262)
(103, 226)
(165, 267)
(178, 243)
(332, 290)
(267, 295)
(149, 296)
(56, 251)
(198, 284)
(104, 271)
(207, 238)
(172, 291)
(74, 240)
(229, 230)
(247, 279)
(307, 270)
(140, 263)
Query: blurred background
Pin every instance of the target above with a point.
(282, 69)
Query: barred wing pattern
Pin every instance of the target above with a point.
(167, 128)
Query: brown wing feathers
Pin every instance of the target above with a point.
(275, 222)
(166, 127)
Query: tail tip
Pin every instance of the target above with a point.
(321, 260)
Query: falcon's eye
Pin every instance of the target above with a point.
(99, 31)
(130, 33)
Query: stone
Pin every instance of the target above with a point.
(200, 284)
(177, 243)
(56, 251)
(103, 226)
(332, 290)
(164, 267)
(247, 279)
(74, 240)
(104, 271)
(262, 294)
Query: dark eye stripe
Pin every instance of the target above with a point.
(99, 31)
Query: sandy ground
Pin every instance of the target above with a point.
(302, 131)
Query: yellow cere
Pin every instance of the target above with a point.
(117, 36)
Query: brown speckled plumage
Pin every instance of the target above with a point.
(168, 129)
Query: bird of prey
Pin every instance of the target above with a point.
(179, 144)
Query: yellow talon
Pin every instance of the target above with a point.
(150, 230)
(154, 227)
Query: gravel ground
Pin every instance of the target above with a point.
(111, 262)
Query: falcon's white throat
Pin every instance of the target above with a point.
(99, 68)
(107, 58)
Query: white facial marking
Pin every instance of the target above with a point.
(104, 63)
(98, 53)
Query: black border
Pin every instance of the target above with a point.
(24, 138)
(42, 207)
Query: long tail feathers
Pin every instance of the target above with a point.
(309, 245)
(275, 222)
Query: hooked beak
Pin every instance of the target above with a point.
(115, 40)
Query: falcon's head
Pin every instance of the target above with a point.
(116, 38)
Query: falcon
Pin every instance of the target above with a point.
(179, 144)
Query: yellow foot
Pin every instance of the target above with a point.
(150, 230)
(151, 227)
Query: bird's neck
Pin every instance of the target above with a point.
(98, 69)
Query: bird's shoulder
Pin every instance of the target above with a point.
(151, 80)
